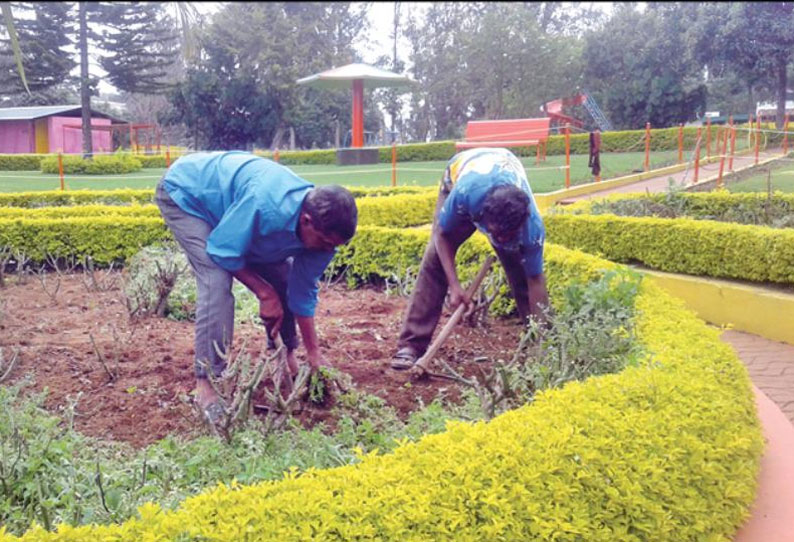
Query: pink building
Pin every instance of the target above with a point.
(51, 128)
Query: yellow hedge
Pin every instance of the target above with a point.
(681, 245)
(48, 198)
(667, 451)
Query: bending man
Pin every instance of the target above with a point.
(485, 189)
(240, 216)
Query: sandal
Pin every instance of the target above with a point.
(404, 359)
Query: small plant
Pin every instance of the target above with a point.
(7, 365)
(5, 257)
(96, 281)
(402, 285)
(152, 275)
(590, 334)
(110, 360)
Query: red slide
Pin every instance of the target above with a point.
(554, 109)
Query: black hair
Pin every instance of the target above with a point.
(333, 210)
(506, 207)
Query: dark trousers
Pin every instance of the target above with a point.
(427, 300)
(215, 302)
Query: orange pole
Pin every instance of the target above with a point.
(544, 150)
(757, 137)
(647, 146)
(358, 113)
(722, 158)
(697, 156)
(275, 155)
(733, 144)
(680, 143)
(394, 164)
(708, 138)
(60, 169)
(785, 134)
(567, 156)
(167, 155)
(750, 132)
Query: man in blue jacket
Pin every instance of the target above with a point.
(241, 216)
(482, 189)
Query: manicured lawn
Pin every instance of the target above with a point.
(782, 180)
(545, 177)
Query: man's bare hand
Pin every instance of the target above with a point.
(457, 295)
(271, 311)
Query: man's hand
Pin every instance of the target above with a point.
(457, 295)
(272, 313)
(316, 360)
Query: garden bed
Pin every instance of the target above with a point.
(358, 330)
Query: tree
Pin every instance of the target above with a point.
(640, 69)
(137, 40)
(254, 54)
(753, 40)
(43, 30)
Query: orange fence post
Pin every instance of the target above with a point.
(647, 146)
(785, 134)
(60, 168)
(757, 137)
(275, 155)
(394, 164)
(750, 132)
(680, 143)
(733, 143)
(708, 139)
(697, 156)
(567, 156)
(722, 158)
(167, 156)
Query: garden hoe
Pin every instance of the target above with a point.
(421, 366)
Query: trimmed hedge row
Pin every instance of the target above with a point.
(103, 164)
(700, 205)
(399, 211)
(667, 451)
(56, 198)
(20, 162)
(681, 245)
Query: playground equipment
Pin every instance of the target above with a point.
(554, 110)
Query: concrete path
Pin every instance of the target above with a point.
(771, 367)
(660, 184)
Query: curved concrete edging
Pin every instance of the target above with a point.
(754, 309)
(772, 513)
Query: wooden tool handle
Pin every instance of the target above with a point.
(455, 318)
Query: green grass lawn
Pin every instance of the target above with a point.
(545, 177)
(782, 180)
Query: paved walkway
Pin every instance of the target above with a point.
(771, 367)
(660, 184)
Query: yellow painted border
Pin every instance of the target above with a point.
(753, 309)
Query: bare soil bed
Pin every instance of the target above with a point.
(154, 358)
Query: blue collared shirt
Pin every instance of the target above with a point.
(469, 177)
(253, 205)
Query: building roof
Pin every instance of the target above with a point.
(40, 111)
(342, 77)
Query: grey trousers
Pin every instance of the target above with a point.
(427, 299)
(215, 302)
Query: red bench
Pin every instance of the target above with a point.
(507, 133)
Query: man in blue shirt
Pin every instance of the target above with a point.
(482, 189)
(241, 216)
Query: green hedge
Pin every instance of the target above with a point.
(103, 164)
(666, 451)
(681, 245)
(20, 162)
(743, 208)
(126, 196)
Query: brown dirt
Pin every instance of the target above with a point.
(358, 332)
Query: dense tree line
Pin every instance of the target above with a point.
(663, 62)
